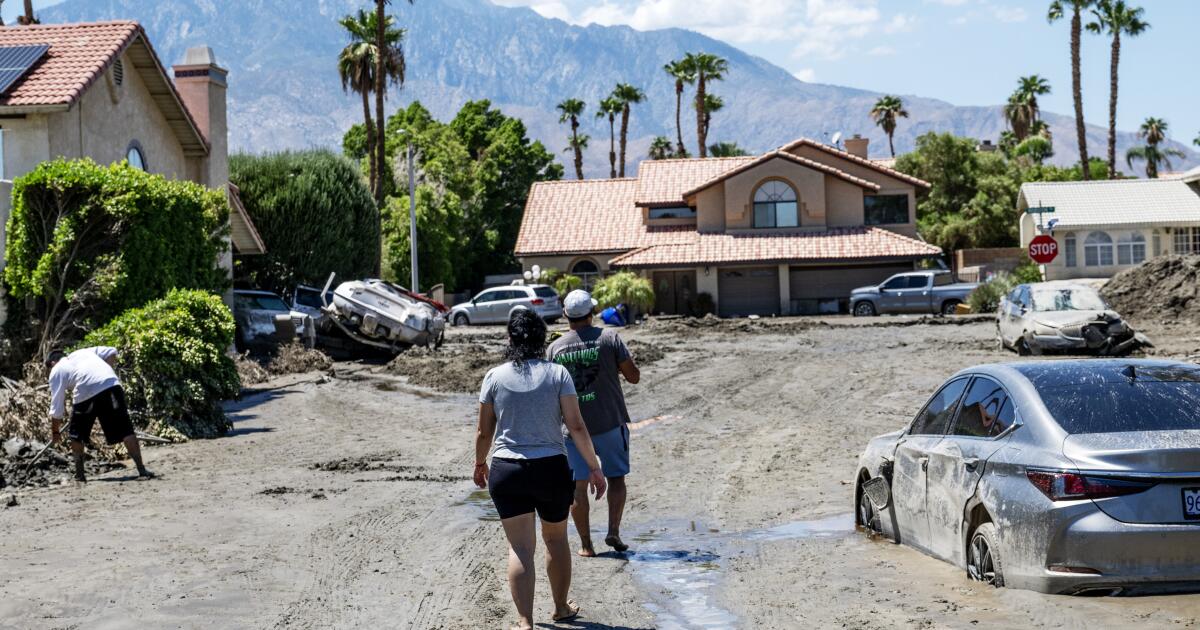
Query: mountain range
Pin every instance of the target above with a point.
(285, 92)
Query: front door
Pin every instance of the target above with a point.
(674, 292)
(891, 294)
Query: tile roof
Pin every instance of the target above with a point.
(871, 164)
(663, 182)
(859, 243)
(1116, 202)
(783, 155)
(78, 55)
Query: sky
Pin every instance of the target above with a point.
(966, 52)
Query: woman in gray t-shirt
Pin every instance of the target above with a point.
(523, 405)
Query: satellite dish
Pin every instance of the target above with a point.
(837, 137)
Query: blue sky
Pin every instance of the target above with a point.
(967, 52)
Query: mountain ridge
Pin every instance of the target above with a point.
(285, 93)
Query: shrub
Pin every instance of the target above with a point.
(986, 298)
(1026, 272)
(87, 242)
(173, 363)
(567, 283)
(703, 304)
(314, 214)
(625, 288)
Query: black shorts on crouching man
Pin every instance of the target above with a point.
(521, 486)
(109, 407)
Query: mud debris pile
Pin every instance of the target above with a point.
(291, 358)
(453, 368)
(646, 353)
(22, 467)
(1163, 288)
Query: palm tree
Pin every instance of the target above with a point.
(626, 95)
(712, 103)
(609, 108)
(1057, 12)
(389, 68)
(356, 66)
(683, 73)
(1017, 114)
(569, 111)
(660, 148)
(1154, 132)
(887, 110)
(707, 67)
(1040, 129)
(1114, 18)
(1032, 87)
(726, 149)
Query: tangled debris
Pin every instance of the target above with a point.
(385, 461)
(20, 469)
(291, 358)
(454, 368)
(1162, 288)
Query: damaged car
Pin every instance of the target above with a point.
(262, 318)
(1073, 477)
(1043, 317)
(384, 315)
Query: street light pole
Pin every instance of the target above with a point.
(412, 217)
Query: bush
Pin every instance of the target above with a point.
(1026, 272)
(625, 288)
(173, 363)
(314, 214)
(87, 242)
(703, 304)
(986, 298)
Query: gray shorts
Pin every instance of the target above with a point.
(612, 447)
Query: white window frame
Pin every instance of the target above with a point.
(1098, 249)
(1131, 248)
(1072, 256)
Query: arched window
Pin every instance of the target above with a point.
(1131, 249)
(1098, 250)
(135, 157)
(775, 205)
(587, 270)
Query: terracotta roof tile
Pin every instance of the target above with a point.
(783, 155)
(78, 54)
(871, 164)
(862, 243)
(663, 182)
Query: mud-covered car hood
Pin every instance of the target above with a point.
(1061, 319)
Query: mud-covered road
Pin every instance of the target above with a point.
(345, 502)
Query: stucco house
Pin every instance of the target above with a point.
(790, 231)
(1104, 227)
(99, 90)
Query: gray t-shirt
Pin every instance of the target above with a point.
(592, 355)
(529, 422)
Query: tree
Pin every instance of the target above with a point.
(1056, 12)
(609, 108)
(661, 148)
(314, 215)
(390, 66)
(356, 67)
(1114, 18)
(626, 95)
(1022, 112)
(569, 111)
(885, 113)
(726, 149)
(712, 104)
(1154, 132)
(683, 74)
(1036, 148)
(706, 67)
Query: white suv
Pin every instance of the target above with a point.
(493, 306)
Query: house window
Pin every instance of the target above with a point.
(1098, 250)
(681, 212)
(587, 271)
(883, 209)
(1156, 239)
(1131, 249)
(1069, 250)
(775, 205)
(1187, 240)
(135, 157)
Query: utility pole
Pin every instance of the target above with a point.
(412, 217)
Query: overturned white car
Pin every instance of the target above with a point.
(385, 315)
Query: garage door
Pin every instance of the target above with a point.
(752, 291)
(814, 289)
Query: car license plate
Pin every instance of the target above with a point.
(1191, 503)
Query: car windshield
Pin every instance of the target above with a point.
(262, 303)
(1132, 405)
(1067, 299)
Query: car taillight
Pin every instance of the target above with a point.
(1065, 486)
(538, 301)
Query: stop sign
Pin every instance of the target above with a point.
(1043, 249)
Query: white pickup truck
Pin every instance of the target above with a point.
(911, 292)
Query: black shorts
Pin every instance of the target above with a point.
(109, 407)
(521, 486)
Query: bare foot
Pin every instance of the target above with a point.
(566, 613)
(586, 550)
(614, 541)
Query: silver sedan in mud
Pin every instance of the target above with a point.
(1057, 476)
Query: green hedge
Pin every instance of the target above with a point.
(314, 214)
(173, 363)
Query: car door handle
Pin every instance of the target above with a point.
(971, 464)
(924, 463)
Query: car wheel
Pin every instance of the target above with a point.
(864, 309)
(868, 516)
(461, 319)
(983, 556)
(949, 307)
(1023, 347)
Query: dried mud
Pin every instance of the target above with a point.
(456, 367)
(1162, 289)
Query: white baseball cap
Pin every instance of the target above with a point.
(579, 303)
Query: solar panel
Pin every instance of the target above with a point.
(15, 61)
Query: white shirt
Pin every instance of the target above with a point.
(86, 372)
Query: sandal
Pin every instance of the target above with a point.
(571, 616)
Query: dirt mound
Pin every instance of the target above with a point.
(292, 358)
(645, 352)
(453, 368)
(1162, 288)
(744, 325)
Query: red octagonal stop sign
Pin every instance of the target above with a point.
(1043, 249)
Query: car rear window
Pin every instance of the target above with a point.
(545, 292)
(1116, 407)
(312, 299)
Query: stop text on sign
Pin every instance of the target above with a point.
(1043, 249)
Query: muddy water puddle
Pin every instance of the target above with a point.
(482, 501)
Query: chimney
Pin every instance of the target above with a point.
(857, 146)
(201, 85)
